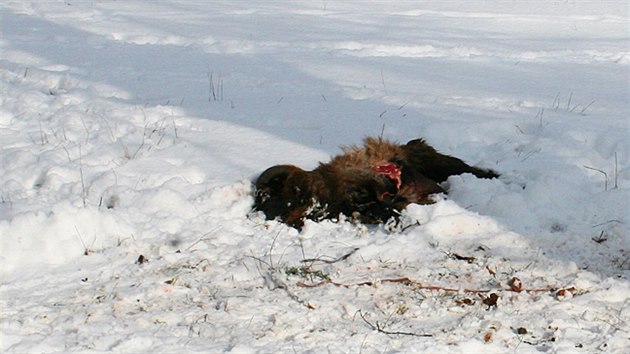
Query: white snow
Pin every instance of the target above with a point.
(131, 131)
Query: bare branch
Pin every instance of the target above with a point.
(379, 328)
(327, 261)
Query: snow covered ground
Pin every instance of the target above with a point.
(131, 131)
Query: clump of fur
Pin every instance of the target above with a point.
(371, 183)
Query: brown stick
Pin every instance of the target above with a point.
(327, 261)
(418, 285)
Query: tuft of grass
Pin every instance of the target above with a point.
(215, 90)
(577, 108)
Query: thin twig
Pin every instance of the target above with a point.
(144, 134)
(602, 172)
(383, 82)
(616, 174)
(279, 284)
(202, 238)
(585, 108)
(42, 135)
(212, 96)
(377, 327)
(327, 261)
(556, 102)
(83, 194)
(175, 129)
(86, 250)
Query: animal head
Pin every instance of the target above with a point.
(290, 194)
(285, 192)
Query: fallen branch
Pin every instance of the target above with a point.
(418, 285)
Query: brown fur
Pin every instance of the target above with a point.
(371, 183)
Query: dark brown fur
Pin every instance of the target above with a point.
(355, 185)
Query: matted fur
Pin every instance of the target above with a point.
(373, 149)
(371, 183)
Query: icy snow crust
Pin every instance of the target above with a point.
(131, 132)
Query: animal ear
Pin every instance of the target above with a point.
(275, 176)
